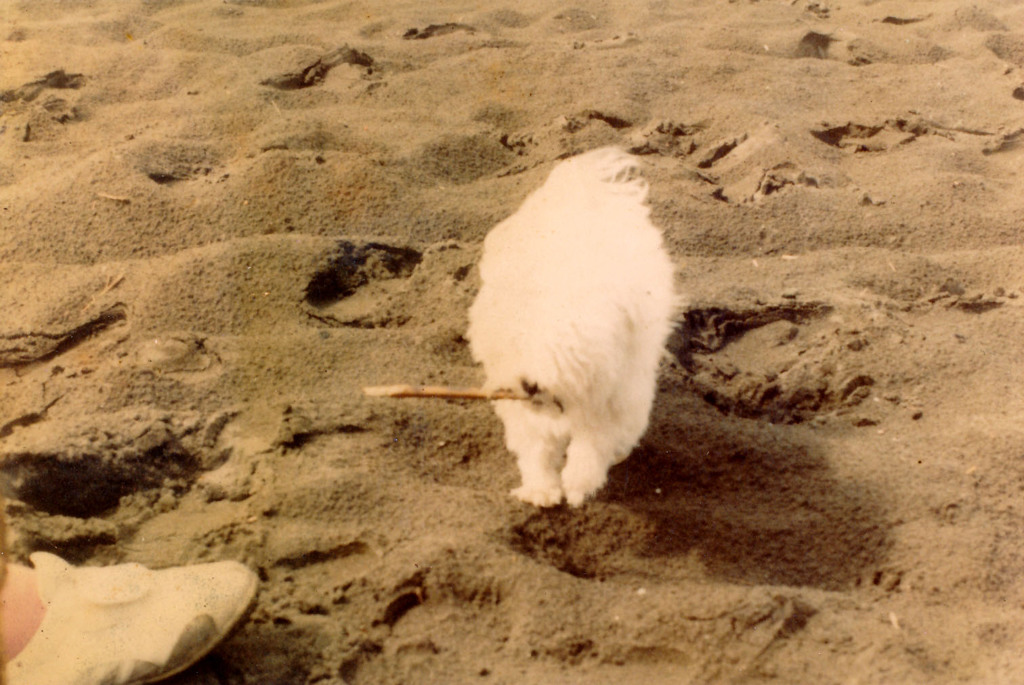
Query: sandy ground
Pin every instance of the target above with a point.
(218, 220)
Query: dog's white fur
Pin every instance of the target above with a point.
(576, 300)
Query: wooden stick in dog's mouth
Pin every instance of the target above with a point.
(402, 391)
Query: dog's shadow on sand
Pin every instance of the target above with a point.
(706, 494)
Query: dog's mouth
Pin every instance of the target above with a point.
(540, 397)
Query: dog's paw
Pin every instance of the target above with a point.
(575, 498)
(579, 483)
(539, 497)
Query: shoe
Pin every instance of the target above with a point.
(128, 625)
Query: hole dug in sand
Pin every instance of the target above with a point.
(726, 483)
(746, 503)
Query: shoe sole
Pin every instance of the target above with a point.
(190, 659)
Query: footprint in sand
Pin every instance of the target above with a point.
(354, 288)
(434, 30)
(312, 73)
(888, 135)
(175, 353)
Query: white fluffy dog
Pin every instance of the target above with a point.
(575, 307)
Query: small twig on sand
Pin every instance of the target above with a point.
(402, 391)
(110, 285)
(115, 198)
